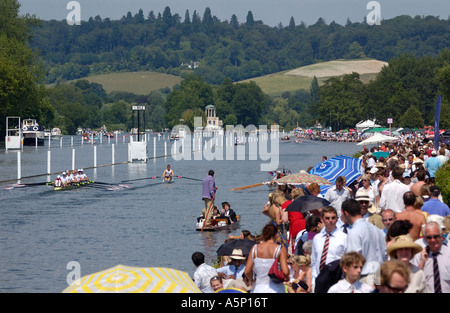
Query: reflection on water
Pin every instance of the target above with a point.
(149, 224)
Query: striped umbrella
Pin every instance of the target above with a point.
(127, 279)
(340, 165)
(302, 178)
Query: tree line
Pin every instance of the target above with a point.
(224, 49)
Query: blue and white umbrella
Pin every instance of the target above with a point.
(337, 166)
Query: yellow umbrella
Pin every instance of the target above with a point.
(124, 279)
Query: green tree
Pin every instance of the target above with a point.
(249, 20)
(21, 76)
(412, 118)
(194, 93)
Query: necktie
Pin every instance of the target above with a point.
(344, 228)
(437, 279)
(323, 258)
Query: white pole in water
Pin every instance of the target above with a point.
(113, 156)
(82, 140)
(73, 159)
(95, 156)
(36, 141)
(49, 141)
(165, 148)
(49, 157)
(154, 147)
(19, 165)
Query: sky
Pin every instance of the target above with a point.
(270, 12)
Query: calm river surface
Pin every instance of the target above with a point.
(149, 224)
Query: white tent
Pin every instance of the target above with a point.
(366, 124)
(377, 138)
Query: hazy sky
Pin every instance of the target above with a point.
(271, 12)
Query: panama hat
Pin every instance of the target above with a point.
(237, 254)
(363, 195)
(403, 241)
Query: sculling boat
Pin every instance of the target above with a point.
(73, 185)
(168, 180)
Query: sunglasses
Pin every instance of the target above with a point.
(397, 290)
(433, 237)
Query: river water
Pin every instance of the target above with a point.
(42, 232)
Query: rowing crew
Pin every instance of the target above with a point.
(70, 177)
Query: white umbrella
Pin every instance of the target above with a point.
(377, 138)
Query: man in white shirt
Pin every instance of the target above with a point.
(364, 238)
(337, 194)
(236, 268)
(336, 245)
(392, 193)
(203, 274)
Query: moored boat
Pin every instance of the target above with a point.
(55, 133)
(32, 133)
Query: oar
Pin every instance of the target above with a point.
(102, 183)
(190, 178)
(12, 186)
(128, 180)
(110, 184)
(250, 186)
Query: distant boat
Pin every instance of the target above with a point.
(55, 133)
(174, 137)
(32, 133)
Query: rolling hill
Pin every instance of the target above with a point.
(300, 78)
(140, 83)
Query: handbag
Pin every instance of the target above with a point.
(275, 272)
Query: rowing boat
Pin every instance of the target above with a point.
(72, 186)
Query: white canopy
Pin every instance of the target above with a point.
(377, 138)
(366, 124)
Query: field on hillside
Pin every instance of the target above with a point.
(140, 83)
(301, 78)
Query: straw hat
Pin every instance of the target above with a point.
(237, 254)
(403, 241)
(380, 165)
(363, 195)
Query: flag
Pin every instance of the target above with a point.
(437, 112)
